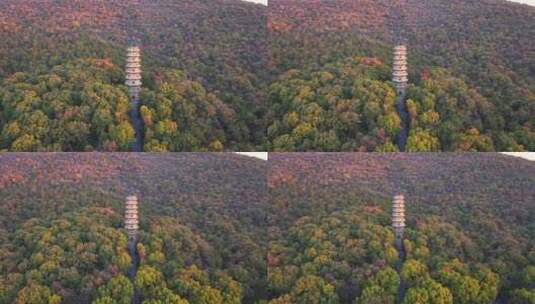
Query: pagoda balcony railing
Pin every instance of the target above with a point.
(133, 83)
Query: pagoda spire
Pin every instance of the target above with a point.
(131, 221)
(133, 82)
(398, 218)
(399, 70)
(131, 225)
(133, 71)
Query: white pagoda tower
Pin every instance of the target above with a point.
(131, 221)
(399, 73)
(133, 71)
(398, 218)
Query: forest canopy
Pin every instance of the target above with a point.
(78, 106)
(300, 228)
(471, 83)
(202, 237)
(290, 76)
(468, 237)
(217, 47)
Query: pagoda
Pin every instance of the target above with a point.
(398, 218)
(131, 221)
(399, 73)
(133, 71)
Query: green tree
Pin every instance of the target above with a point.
(429, 291)
(148, 278)
(422, 141)
(37, 294)
(413, 272)
(374, 294)
(467, 289)
(118, 289)
(314, 290)
(522, 296)
(416, 295)
(123, 135)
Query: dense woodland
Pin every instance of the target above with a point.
(328, 236)
(469, 235)
(346, 106)
(471, 68)
(202, 232)
(75, 107)
(218, 48)
(277, 78)
(180, 115)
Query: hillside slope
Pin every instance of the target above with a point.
(201, 234)
(469, 218)
(218, 47)
(485, 47)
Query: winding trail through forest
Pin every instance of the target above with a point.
(138, 124)
(132, 248)
(401, 106)
(402, 288)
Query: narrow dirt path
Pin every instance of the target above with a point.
(132, 248)
(401, 107)
(402, 288)
(138, 125)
